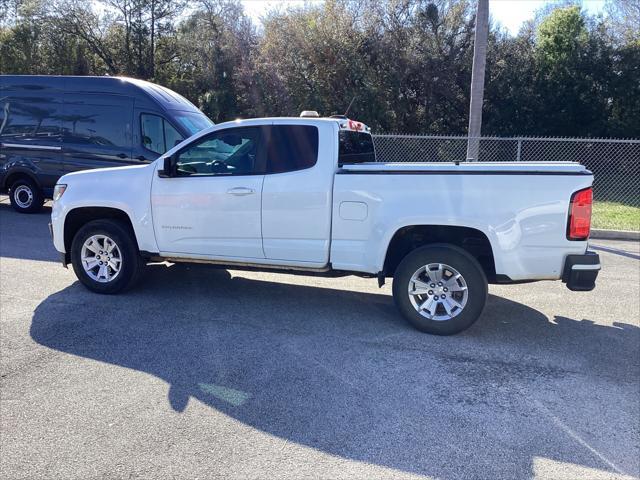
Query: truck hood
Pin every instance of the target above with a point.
(102, 172)
(109, 183)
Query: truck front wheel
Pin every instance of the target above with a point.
(440, 289)
(105, 256)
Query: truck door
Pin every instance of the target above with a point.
(210, 206)
(296, 196)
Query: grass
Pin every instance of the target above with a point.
(615, 216)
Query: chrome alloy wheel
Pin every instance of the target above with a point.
(101, 258)
(23, 196)
(438, 292)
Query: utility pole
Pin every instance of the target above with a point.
(477, 79)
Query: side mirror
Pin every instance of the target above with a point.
(167, 167)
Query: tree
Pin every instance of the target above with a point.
(623, 19)
(407, 63)
(572, 75)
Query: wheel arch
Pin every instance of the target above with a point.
(16, 174)
(80, 216)
(409, 237)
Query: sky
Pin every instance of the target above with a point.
(510, 13)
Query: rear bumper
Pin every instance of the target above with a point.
(580, 271)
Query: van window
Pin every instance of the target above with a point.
(34, 120)
(3, 105)
(171, 136)
(99, 125)
(192, 122)
(157, 134)
(291, 147)
(355, 147)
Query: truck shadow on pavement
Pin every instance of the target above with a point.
(341, 371)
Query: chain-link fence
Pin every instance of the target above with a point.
(615, 163)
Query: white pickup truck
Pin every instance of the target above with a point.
(306, 194)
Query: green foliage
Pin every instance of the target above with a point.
(407, 63)
(562, 37)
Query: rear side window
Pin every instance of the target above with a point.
(157, 134)
(291, 147)
(31, 119)
(355, 147)
(101, 122)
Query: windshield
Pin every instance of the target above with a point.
(192, 122)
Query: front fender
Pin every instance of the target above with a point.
(124, 188)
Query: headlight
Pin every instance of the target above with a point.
(58, 191)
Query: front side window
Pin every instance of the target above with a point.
(232, 151)
(291, 147)
(157, 134)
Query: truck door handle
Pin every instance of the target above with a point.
(141, 157)
(239, 191)
(121, 155)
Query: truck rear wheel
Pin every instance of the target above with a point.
(26, 196)
(105, 256)
(440, 289)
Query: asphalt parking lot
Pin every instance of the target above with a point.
(203, 373)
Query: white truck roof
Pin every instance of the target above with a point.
(343, 123)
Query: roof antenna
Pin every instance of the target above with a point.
(349, 107)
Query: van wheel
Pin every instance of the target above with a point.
(25, 196)
(105, 257)
(440, 289)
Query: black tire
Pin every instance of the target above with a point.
(132, 264)
(456, 258)
(26, 196)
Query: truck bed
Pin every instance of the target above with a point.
(522, 209)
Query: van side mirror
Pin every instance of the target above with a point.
(168, 167)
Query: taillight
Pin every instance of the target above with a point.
(580, 215)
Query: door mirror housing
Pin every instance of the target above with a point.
(168, 164)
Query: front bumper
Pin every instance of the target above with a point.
(62, 256)
(580, 271)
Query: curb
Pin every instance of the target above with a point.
(615, 235)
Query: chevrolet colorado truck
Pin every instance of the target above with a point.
(306, 194)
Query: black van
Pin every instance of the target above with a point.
(52, 125)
